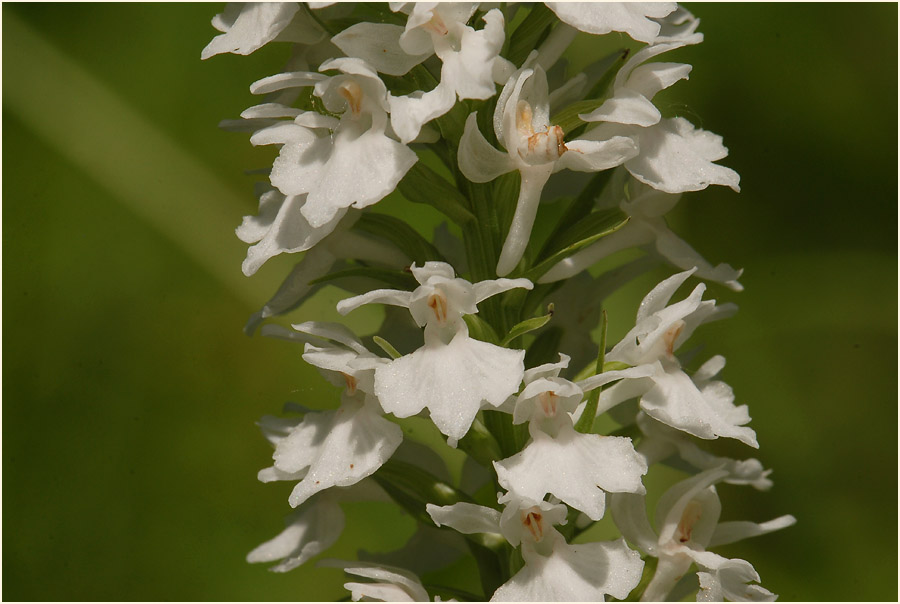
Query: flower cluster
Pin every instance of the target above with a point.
(476, 111)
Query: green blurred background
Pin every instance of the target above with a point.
(130, 393)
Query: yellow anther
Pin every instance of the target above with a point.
(549, 402)
(671, 335)
(351, 383)
(351, 91)
(437, 302)
(689, 518)
(533, 521)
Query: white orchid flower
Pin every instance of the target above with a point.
(470, 61)
(554, 570)
(660, 442)
(335, 163)
(309, 531)
(645, 207)
(280, 227)
(535, 148)
(635, 86)
(674, 156)
(343, 446)
(248, 26)
(576, 468)
(637, 19)
(705, 408)
(452, 374)
(687, 524)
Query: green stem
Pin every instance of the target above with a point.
(586, 421)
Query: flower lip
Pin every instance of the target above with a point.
(537, 148)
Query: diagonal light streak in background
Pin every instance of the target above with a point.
(126, 154)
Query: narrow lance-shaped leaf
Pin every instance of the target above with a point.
(582, 234)
(423, 185)
(524, 327)
(398, 232)
(395, 279)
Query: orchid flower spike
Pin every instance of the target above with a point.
(687, 524)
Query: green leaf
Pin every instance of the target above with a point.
(481, 329)
(530, 33)
(580, 235)
(524, 327)
(544, 348)
(413, 488)
(577, 209)
(479, 443)
(586, 421)
(395, 279)
(423, 185)
(398, 232)
(510, 437)
(386, 346)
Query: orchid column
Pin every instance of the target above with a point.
(494, 332)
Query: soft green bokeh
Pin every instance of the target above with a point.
(130, 393)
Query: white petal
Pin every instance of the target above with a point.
(410, 113)
(467, 518)
(604, 17)
(676, 157)
(650, 78)
(253, 27)
(675, 401)
(575, 573)
(288, 233)
(395, 584)
(379, 45)
(730, 532)
(659, 296)
(574, 467)
(451, 380)
(678, 252)
(626, 107)
(730, 581)
(395, 297)
(478, 160)
(594, 156)
(353, 444)
(629, 511)
(312, 530)
(492, 287)
(280, 81)
(469, 70)
(547, 370)
(595, 381)
(270, 110)
(331, 331)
